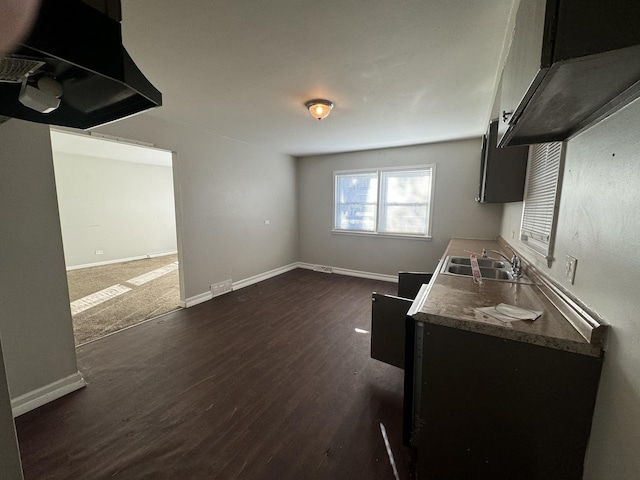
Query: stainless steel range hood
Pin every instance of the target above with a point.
(79, 48)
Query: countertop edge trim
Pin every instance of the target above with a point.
(586, 322)
(512, 335)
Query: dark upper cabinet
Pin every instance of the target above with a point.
(571, 63)
(502, 170)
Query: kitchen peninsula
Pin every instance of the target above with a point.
(486, 399)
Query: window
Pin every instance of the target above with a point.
(386, 201)
(541, 196)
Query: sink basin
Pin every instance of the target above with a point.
(482, 262)
(490, 269)
(488, 273)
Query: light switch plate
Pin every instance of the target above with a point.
(570, 269)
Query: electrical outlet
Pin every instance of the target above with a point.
(99, 252)
(570, 269)
(267, 222)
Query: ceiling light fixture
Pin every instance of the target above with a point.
(319, 108)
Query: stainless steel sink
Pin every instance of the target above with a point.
(482, 262)
(488, 273)
(490, 269)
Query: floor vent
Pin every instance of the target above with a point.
(322, 268)
(220, 288)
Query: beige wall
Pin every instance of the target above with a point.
(455, 212)
(225, 190)
(123, 208)
(599, 224)
(35, 319)
(10, 468)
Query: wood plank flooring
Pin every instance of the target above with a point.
(269, 382)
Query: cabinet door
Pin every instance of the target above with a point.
(503, 170)
(497, 409)
(388, 328)
(409, 283)
(528, 59)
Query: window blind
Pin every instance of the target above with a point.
(541, 197)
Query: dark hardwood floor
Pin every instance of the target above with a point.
(268, 382)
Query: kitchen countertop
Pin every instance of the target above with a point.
(451, 301)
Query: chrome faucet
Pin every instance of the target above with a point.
(515, 261)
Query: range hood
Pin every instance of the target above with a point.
(77, 48)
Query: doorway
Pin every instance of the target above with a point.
(118, 221)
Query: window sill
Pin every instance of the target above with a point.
(426, 238)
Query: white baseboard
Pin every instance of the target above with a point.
(36, 398)
(349, 272)
(192, 301)
(263, 276)
(121, 260)
(161, 254)
(203, 297)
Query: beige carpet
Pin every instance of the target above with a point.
(111, 297)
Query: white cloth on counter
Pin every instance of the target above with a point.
(510, 313)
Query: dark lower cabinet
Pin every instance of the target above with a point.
(388, 315)
(409, 283)
(490, 408)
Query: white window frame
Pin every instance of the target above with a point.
(542, 198)
(379, 172)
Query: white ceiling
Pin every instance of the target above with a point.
(400, 72)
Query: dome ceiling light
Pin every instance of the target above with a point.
(319, 108)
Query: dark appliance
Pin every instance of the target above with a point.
(73, 71)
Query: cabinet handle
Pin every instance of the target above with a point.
(506, 115)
